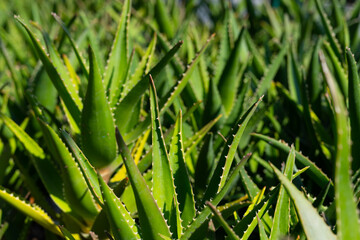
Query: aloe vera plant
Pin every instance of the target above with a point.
(146, 120)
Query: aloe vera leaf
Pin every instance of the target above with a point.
(230, 232)
(192, 142)
(121, 223)
(73, 45)
(314, 172)
(274, 20)
(342, 27)
(66, 234)
(346, 210)
(339, 73)
(228, 81)
(213, 105)
(354, 108)
(257, 199)
(258, 60)
(204, 214)
(23, 137)
(329, 30)
(185, 195)
(202, 68)
(142, 68)
(125, 107)
(163, 19)
(33, 211)
(76, 191)
(229, 208)
(180, 85)
(17, 83)
(121, 173)
(151, 219)
(223, 166)
(294, 77)
(97, 125)
(247, 224)
(262, 232)
(64, 74)
(313, 225)
(61, 69)
(270, 73)
(320, 198)
(171, 96)
(117, 61)
(87, 170)
(163, 187)
(250, 187)
(53, 74)
(51, 178)
(204, 164)
(281, 220)
(224, 49)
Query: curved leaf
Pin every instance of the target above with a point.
(97, 125)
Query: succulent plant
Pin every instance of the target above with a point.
(147, 120)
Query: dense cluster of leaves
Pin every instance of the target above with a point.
(170, 120)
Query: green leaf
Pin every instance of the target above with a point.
(163, 19)
(340, 75)
(33, 211)
(313, 224)
(229, 81)
(231, 234)
(163, 187)
(142, 68)
(170, 97)
(87, 169)
(76, 190)
(204, 214)
(122, 225)
(354, 108)
(23, 137)
(152, 222)
(223, 166)
(117, 62)
(329, 30)
(270, 72)
(97, 125)
(125, 108)
(280, 227)
(346, 208)
(183, 188)
(314, 172)
(57, 62)
(247, 224)
(53, 74)
(73, 45)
